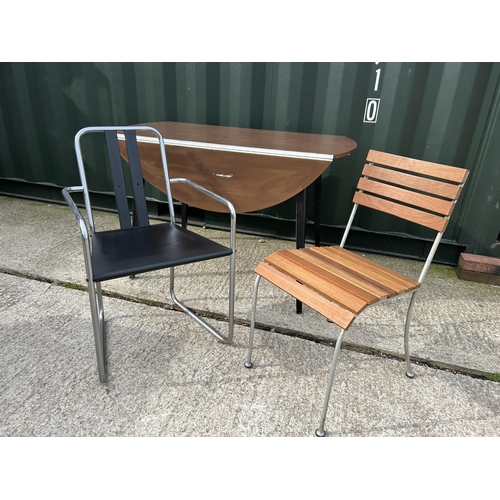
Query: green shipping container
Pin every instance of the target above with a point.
(442, 112)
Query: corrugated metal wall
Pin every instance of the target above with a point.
(443, 112)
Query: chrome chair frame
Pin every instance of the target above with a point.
(87, 231)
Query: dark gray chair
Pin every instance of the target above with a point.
(138, 246)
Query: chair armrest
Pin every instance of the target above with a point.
(82, 224)
(181, 180)
(220, 199)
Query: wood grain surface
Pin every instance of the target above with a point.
(254, 169)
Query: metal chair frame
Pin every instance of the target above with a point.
(320, 431)
(88, 230)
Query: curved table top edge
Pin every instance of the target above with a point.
(323, 147)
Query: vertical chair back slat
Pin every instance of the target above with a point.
(118, 179)
(140, 206)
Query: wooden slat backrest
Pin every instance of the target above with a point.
(419, 191)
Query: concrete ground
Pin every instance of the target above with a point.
(169, 377)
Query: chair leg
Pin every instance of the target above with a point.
(409, 371)
(248, 362)
(320, 432)
(204, 324)
(232, 273)
(97, 313)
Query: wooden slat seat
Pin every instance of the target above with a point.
(334, 279)
(327, 308)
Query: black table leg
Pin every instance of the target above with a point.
(317, 211)
(300, 221)
(300, 230)
(184, 215)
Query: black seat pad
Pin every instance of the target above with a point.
(124, 252)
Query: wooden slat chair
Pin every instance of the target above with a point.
(340, 284)
(140, 247)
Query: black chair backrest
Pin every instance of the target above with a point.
(140, 207)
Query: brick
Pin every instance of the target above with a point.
(479, 268)
(489, 279)
(479, 263)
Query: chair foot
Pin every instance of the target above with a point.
(248, 364)
(410, 374)
(319, 433)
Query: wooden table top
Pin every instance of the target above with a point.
(252, 168)
(256, 141)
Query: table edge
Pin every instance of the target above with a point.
(309, 152)
(235, 149)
